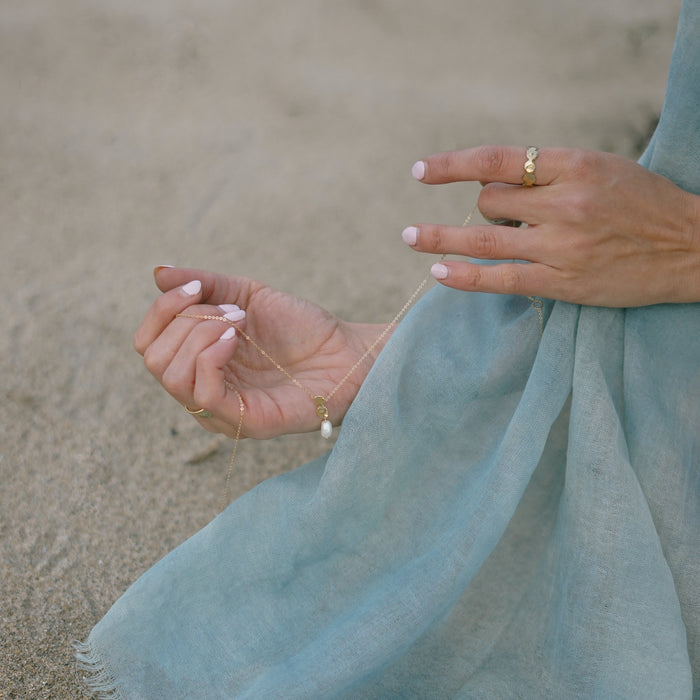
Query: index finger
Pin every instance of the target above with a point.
(488, 164)
(216, 288)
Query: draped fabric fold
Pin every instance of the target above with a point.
(503, 515)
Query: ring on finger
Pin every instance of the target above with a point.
(529, 178)
(199, 412)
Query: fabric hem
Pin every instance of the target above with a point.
(95, 674)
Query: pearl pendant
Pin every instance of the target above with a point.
(322, 413)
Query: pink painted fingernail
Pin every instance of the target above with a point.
(410, 235)
(234, 316)
(229, 333)
(227, 308)
(192, 288)
(418, 170)
(439, 271)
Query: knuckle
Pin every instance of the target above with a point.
(173, 382)
(443, 166)
(485, 244)
(490, 160)
(139, 343)
(161, 306)
(577, 206)
(511, 279)
(473, 277)
(201, 398)
(485, 199)
(152, 361)
(571, 287)
(582, 163)
(489, 201)
(434, 239)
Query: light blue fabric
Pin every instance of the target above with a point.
(502, 516)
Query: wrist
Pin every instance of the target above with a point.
(691, 281)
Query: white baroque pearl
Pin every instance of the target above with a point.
(326, 429)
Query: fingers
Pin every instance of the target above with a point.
(505, 278)
(488, 164)
(168, 277)
(204, 371)
(188, 355)
(211, 389)
(512, 202)
(171, 356)
(183, 287)
(216, 288)
(188, 359)
(173, 346)
(177, 372)
(486, 243)
(483, 242)
(548, 211)
(164, 310)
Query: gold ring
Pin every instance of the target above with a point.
(529, 167)
(199, 412)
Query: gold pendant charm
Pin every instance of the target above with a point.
(322, 413)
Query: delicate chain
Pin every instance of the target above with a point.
(261, 350)
(236, 439)
(321, 401)
(393, 321)
(381, 337)
(537, 305)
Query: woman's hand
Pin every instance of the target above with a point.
(202, 363)
(602, 230)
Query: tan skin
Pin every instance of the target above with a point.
(188, 358)
(601, 231)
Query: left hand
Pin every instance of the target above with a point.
(602, 230)
(200, 369)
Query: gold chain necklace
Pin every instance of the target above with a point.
(319, 400)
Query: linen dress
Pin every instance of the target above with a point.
(503, 515)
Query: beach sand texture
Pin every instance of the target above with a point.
(267, 138)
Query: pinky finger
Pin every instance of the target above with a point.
(503, 278)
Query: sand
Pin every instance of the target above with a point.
(268, 138)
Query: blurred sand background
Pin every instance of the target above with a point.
(271, 138)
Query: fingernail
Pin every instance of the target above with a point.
(158, 268)
(418, 170)
(439, 272)
(229, 333)
(410, 235)
(234, 316)
(192, 288)
(227, 308)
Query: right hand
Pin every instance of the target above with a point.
(194, 365)
(602, 230)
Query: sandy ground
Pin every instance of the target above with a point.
(266, 137)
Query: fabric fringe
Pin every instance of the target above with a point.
(94, 673)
